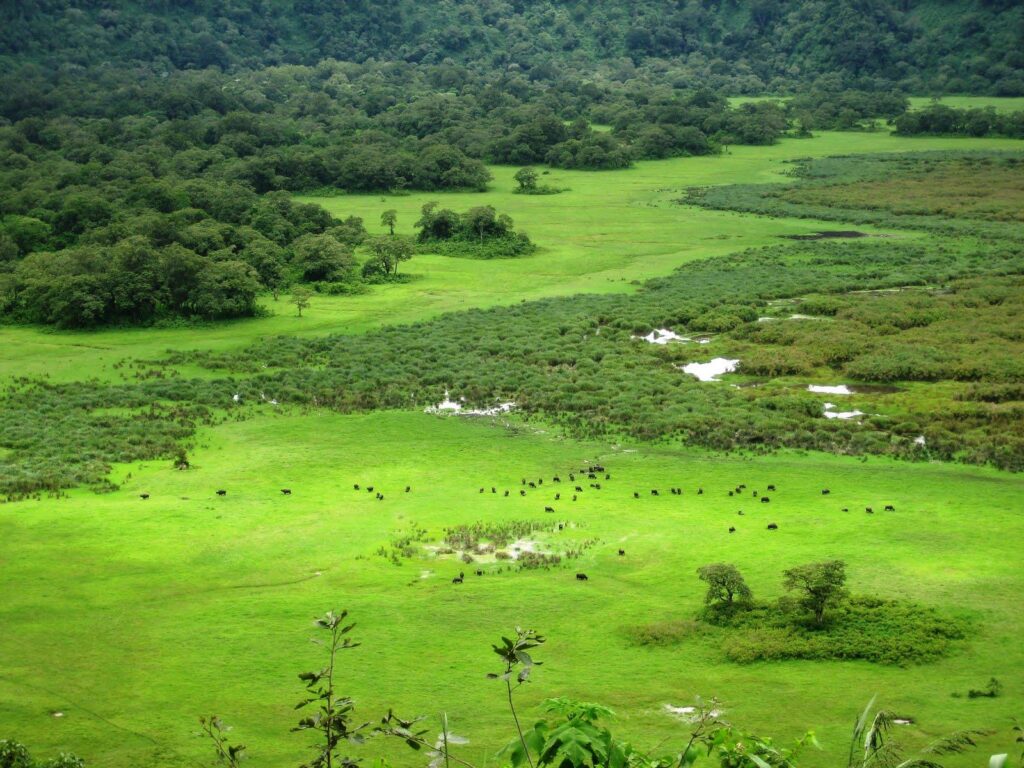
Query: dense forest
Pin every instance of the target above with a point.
(743, 46)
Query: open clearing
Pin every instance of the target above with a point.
(212, 597)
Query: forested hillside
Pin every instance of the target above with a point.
(746, 46)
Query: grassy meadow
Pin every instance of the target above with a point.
(133, 617)
(609, 229)
(211, 598)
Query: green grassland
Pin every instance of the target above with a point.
(133, 617)
(211, 598)
(611, 228)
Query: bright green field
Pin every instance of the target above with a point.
(1001, 103)
(609, 229)
(134, 617)
(146, 614)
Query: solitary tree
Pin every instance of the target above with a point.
(821, 585)
(388, 252)
(527, 179)
(725, 583)
(300, 297)
(388, 219)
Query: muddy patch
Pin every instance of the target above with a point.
(829, 234)
(711, 370)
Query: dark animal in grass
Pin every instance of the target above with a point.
(755, 494)
(561, 526)
(523, 481)
(222, 493)
(654, 491)
(369, 489)
(408, 488)
(700, 491)
(286, 491)
(622, 553)
(479, 572)
(355, 486)
(771, 487)
(596, 486)
(522, 492)
(765, 499)
(579, 489)
(540, 481)
(730, 493)
(380, 497)
(636, 495)
(572, 476)
(532, 484)
(772, 526)
(506, 493)
(732, 529)
(556, 479)
(869, 510)
(457, 580)
(462, 575)
(558, 496)
(739, 512)
(143, 496)
(825, 491)
(846, 509)
(591, 476)
(890, 508)
(549, 509)
(481, 490)
(574, 497)
(581, 577)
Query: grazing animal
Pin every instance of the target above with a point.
(532, 484)
(772, 526)
(222, 493)
(369, 489)
(732, 529)
(579, 489)
(457, 580)
(380, 497)
(607, 476)
(558, 496)
(622, 553)
(739, 512)
(481, 490)
(479, 572)
(771, 487)
(596, 486)
(408, 488)
(846, 509)
(286, 491)
(506, 492)
(143, 495)
(462, 575)
(890, 508)
(355, 486)
(581, 577)
(549, 509)
(636, 495)
(561, 526)
(825, 491)
(574, 497)
(700, 491)
(493, 489)
(556, 479)
(540, 481)
(765, 499)
(591, 476)
(730, 493)
(523, 481)
(869, 510)
(654, 491)
(522, 492)
(755, 494)
(572, 477)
